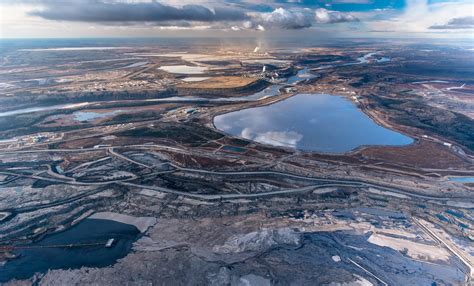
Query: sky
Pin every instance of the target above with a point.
(236, 18)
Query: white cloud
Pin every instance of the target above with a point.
(420, 15)
(283, 138)
(457, 23)
(292, 19)
(325, 16)
(275, 138)
(286, 19)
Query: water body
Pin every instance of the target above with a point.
(383, 60)
(361, 60)
(272, 90)
(42, 108)
(366, 58)
(184, 69)
(90, 115)
(455, 213)
(195, 78)
(35, 260)
(462, 179)
(322, 123)
(234, 149)
(137, 64)
(442, 218)
(300, 76)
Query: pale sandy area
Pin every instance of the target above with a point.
(141, 223)
(415, 250)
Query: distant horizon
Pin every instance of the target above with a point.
(256, 37)
(248, 42)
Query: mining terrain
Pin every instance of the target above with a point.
(114, 169)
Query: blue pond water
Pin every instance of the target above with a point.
(322, 123)
(34, 260)
(233, 149)
(462, 179)
(300, 76)
(90, 115)
(442, 218)
(455, 213)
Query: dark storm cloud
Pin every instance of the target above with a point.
(98, 11)
(456, 23)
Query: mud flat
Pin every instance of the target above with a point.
(220, 82)
(223, 87)
(141, 223)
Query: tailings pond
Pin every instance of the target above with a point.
(48, 253)
(310, 122)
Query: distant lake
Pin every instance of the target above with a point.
(310, 122)
(195, 78)
(39, 259)
(300, 76)
(90, 115)
(184, 69)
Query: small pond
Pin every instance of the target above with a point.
(184, 69)
(462, 179)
